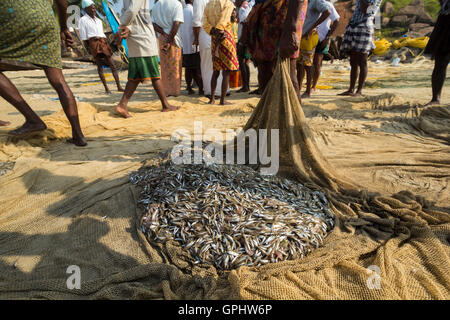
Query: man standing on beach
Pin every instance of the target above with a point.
(167, 16)
(439, 48)
(191, 56)
(30, 34)
(203, 41)
(325, 30)
(274, 28)
(317, 13)
(217, 23)
(242, 51)
(91, 32)
(136, 26)
(358, 42)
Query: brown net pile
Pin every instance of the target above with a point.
(383, 247)
(61, 206)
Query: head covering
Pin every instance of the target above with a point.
(86, 3)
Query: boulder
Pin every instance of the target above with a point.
(388, 9)
(411, 20)
(418, 26)
(385, 22)
(413, 34)
(410, 11)
(418, 3)
(425, 17)
(399, 21)
(425, 32)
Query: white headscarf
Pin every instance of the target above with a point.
(86, 3)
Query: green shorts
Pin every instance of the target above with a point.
(143, 69)
(325, 50)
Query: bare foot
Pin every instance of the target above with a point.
(433, 103)
(120, 89)
(212, 100)
(346, 93)
(27, 128)
(122, 111)
(79, 141)
(358, 94)
(243, 90)
(108, 92)
(306, 95)
(4, 123)
(225, 103)
(170, 108)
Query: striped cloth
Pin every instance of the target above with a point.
(224, 58)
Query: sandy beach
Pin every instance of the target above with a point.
(66, 205)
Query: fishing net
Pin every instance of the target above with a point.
(383, 247)
(62, 206)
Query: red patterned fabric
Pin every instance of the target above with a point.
(224, 54)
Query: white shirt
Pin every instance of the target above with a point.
(324, 27)
(165, 13)
(90, 28)
(204, 39)
(243, 14)
(187, 33)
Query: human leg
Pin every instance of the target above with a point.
(68, 102)
(9, 92)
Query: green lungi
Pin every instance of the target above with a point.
(29, 32)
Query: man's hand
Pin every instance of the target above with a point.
(66, 38)
(195, 43)
(124, 32)
(309, 33)
(288, 44)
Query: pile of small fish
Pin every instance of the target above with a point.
(230, 215)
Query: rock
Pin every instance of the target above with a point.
(418, 26)
(397, 33)
(418, 3)
(411, 20)
(385, 22)
(399, 21)
(425, 31)
(411, 11)
(425, 17)
(414, 34)
(388, 9)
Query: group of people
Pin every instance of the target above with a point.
(209, 38)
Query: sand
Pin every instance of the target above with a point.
(367, 139)
(53, 193)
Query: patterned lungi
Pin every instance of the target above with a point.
(226, 58)
(30, 32)
(265, 24)
(359, 38)
(171, 68)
